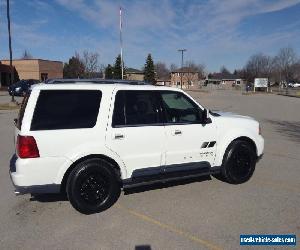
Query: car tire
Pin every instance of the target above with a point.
(238, 163)
(93, 186)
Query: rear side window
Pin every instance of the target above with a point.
(22, 111)
(66, 109)
(136, 108)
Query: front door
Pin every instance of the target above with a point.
(188, 140)
(137, 133)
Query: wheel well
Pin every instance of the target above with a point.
(94, 156)
(247, 139)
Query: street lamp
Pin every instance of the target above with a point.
(181, 50)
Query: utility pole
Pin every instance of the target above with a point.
(121, 44)
(181, 73)
(10, 49)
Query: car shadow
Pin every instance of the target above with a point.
(127, 191)
(162, 185)
(49, 197)
(288, 129)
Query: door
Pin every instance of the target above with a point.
(188, 140)
(137, 133)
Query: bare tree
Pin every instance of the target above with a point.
(173, 67)
(284, 62)
(194, 72)
(161, 70)
(259, 65)
(91, 63)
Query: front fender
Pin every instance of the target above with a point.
(230, 136)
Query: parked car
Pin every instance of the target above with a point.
(90, 140)
(22, 87)
(294, 85)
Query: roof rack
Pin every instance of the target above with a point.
(95, 80)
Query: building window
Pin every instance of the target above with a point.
(44, 76)
(178, 83)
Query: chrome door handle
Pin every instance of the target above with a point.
(177, 132)
(119, 136)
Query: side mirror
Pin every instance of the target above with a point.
(205, 117)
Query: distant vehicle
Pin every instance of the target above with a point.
(22, 87)
(294, 84)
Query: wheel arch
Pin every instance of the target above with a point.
(223, 148)
(87, 157)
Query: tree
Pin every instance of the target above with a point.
(284, 61)
(117, 71)
(26, 55)
(173, 67)
(90, 61)
(149, 70)
(191, 69)
(74, 68)
(224, 70)
(259, 65)
(109, 72)
(161, 70)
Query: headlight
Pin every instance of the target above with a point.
(17, 89)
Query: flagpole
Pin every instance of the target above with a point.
(121, 43)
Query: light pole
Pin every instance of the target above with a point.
(10, 49)
(181, 50)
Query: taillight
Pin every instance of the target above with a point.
(26, 147)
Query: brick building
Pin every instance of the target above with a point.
(190, 77)
(38, 69)
(134, 74)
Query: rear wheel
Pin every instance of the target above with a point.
(93, 186)
(238, 163)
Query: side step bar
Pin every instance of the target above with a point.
(153, 175)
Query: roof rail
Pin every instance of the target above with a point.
(95, 80)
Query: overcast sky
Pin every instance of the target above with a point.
(214, 32)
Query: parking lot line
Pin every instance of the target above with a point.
(170, 228)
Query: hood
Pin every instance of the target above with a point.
(230, 115)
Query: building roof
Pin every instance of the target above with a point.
(133, 71)
(223, 76)
(5, 68)
(31, 59)
(184, 70)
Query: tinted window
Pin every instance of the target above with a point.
(22, 111)
(135, 108)
(179, 108)
(66, 109)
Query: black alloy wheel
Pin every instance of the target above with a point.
(93, 186)
(239, 162)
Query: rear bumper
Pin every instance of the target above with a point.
(35, 175)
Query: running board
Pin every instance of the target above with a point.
(168, 173)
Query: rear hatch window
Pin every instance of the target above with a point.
(66, 109)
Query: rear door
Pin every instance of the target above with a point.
(136, 132)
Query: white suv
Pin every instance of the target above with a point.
(92, 138)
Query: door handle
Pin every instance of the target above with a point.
(177, 132)
(119, 136)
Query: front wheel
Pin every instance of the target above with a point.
(239, 162)
(93, 186)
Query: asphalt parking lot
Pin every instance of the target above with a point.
(203, 214)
